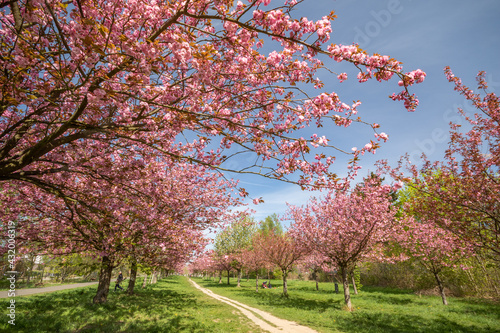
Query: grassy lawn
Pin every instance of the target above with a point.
(172, 305)
(376, 309)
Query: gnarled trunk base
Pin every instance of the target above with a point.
(347, 294)
(285, 285)
(104, 281)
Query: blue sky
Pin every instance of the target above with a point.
(429, 35)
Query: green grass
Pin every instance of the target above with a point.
(376, 309)
(174, 305)
(171, 305)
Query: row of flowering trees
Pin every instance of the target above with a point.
(461, 193)
(447, 212)
(366, 225)
(115, 114)
(243, 245)
(339, 232)
(161, 225)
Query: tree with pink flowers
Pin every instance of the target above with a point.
(254, 261)
(346, 226)
(315, 263)
(223, 263)
(202, 264)
(435, 247)
(462, 192)
(92, 93)
(280, 250)
(167, 216)
(186, 80)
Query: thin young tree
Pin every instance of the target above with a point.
(233, 240)
(434, 247)
(281, 251)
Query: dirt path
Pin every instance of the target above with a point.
(31, 291)
(265, 320)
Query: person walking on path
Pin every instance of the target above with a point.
(118, 281)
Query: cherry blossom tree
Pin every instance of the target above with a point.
(463, 190)
(203, 264)
(93, 92)
(169, 256)
(315, 262)
(346, 227)
(223, 263)
(436, 248)
(254, 262)
(168, 214)
(281, 251)
(179, 79)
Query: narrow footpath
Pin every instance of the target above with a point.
(31, 291)
(265, 320)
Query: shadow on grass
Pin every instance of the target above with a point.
(388, 299)
(479, 307)
(149, 310)
(377, 322)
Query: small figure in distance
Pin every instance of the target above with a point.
(118, 281)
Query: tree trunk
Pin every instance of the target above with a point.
(354, 284)
(145, 281)
(104, 281)
(41, 276)
(285, 286)
(228, 276)
(28, 275)
(220, 277)
(316, 278)
(257, 283)
(133, 277)
(441, 288)
(347, 295)
(239, 278)
(30, 267)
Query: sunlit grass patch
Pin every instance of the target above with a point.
(375, 309)
(171, 305)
